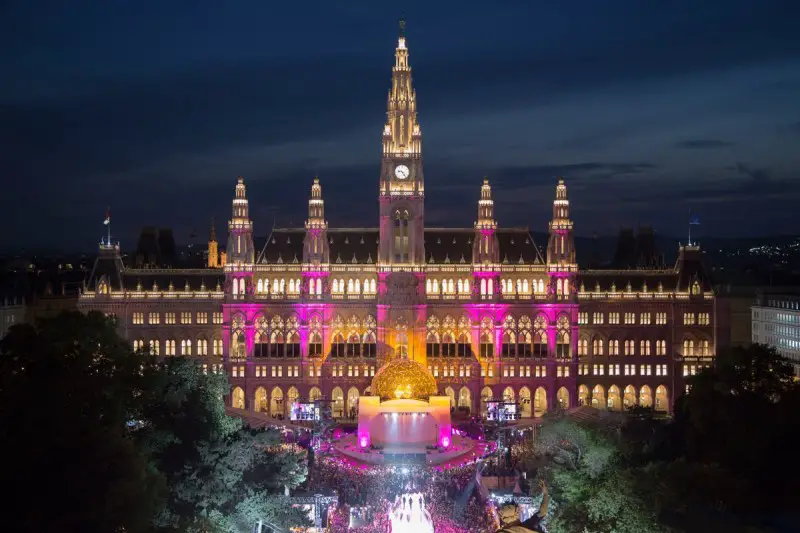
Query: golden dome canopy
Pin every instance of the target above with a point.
(403, 378)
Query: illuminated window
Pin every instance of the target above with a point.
(704, 319)
(661, 347)
(688, 319)
(613, 370)
(661, 318)
(138, 318)
(613, 347)
(154, 347)
(169, 318)
(613, 318)
(597, 346)
(644, 347)
(186, 317)
(645, 370)
(661, 370)
(202, 347)
(630, 318)
(169, 347)
(186, 347)
(597, 318)
(217, 318)
(644, 319)
(202, 318)
(630, 347)
(583, 347)
(583, 318)
(217, 347)
(153, 318)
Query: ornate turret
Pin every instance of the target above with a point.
(561, 246)
(240, 249)
(315, 247)
(240, 237)
(485, 248)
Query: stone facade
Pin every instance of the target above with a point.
(318, 310)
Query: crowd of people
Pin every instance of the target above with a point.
(450, 496)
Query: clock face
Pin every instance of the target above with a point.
(401, 171)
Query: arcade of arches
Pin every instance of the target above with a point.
(534, 403)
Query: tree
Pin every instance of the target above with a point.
(221, 476)
(593, 488)
(739, 416)
(68, 388)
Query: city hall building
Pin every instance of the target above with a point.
(318, 311)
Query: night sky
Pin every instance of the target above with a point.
(155, 107)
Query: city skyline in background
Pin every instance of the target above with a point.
(647, 114)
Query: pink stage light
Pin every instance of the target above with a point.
(364, 442)
(445, 442)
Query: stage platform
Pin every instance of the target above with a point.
(462, 451)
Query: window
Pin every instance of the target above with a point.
(186, 317)
(598, 370)
(217, 318)
(487, 346)
(217, 347)
(202, 347)
(661, 318)
(613, 370)
(645, 370)
(138, 318)
(401, 236)
(583, 370)
(202, 318)
(613, 318)
(541, 371)
(630, 370)
(583, 318)
(583, 347)
(169, 318)
(644, 319)
(704, 319)
(153, 318)
(630, 318)
(613, 347)
(629, 347)
(688, 319)
(169, 347)
(661, 347)
(644, 347)
(661, 370)
(186, 347)
(154, 347)
(597, 347)
(597, 318)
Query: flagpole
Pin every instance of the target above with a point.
(690, 226)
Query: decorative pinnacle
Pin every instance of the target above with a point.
(402, 27)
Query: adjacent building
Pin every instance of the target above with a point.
(318, 310)
(776, 323)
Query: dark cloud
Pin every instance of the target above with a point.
(160, 119)
(703, 144)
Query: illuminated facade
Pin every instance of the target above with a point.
(319, 310)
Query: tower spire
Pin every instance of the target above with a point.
(485, 249)
(401, 133)
(561, 263)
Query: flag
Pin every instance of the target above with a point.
(107, 221)
(694, 219)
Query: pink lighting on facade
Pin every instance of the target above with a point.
(364, 441)
(445, 442)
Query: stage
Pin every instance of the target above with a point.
(462, 450)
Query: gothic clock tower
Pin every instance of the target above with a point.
(402, 186)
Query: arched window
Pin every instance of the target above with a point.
(508, 347)
(260, 286)
(563, 350)
(349, 286)
(432, 346)
(186, 346)
(688, 347)
(613, 347)
(583, 347)
(630, 347)
(169, 347)
(292, 344)
(154, 347)
(353, 348)
(338, 346)
(202, 346)
(597, 346)
(644, 347)
(370, 348)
